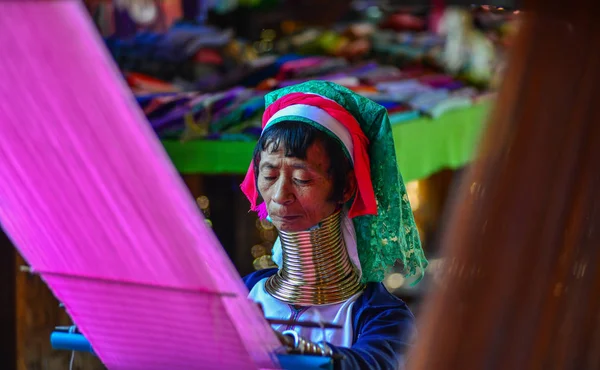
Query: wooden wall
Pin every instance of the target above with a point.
(8, 325)
(29, 312)
(37, 313)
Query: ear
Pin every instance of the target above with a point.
(350, 188)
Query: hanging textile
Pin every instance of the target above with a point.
(92, 202)
(124, 18)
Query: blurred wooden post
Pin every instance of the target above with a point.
(37, 313)
(8, 326)
(522, 282)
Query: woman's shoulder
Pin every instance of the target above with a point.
(379, 314)
(251, 279)
(376, 298)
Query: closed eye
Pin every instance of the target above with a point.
(302, 182)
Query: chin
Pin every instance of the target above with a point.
(290, 227)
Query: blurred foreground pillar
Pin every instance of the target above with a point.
(522, 284)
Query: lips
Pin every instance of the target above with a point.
(285, 218)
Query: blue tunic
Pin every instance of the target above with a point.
(383, 328)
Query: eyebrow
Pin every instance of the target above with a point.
(267, 165)
(301, 166)
(270, 166)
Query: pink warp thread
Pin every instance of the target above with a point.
(87, 189)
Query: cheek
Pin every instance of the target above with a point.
(315, 201)
(263, 189)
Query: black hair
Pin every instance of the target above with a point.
(296, 138)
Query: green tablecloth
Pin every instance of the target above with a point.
(423, 147)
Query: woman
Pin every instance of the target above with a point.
(326, 169)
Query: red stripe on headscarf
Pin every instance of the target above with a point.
(364, 201)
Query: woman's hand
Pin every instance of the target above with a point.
(285, 340)
(296, 344)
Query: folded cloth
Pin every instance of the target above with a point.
(429, 99)
(400, 85)
(380, 74)
(141, 83)
(469, 92)
(338, 78)
(437, 109)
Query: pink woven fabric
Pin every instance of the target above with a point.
(91, 200)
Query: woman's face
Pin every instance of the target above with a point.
(296, 191)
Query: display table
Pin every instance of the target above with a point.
(424, 146)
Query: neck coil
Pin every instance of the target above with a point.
(317, 269)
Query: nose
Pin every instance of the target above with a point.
(282, 192)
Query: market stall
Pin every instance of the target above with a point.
(424, 146)
(201, 88)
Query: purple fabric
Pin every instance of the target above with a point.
(124, 25)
